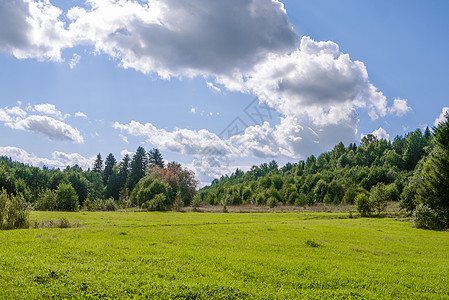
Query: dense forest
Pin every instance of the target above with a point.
(109, 185)
(412, 169)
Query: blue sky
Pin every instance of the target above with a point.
(79, 78)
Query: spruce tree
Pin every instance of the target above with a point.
(123, 171)
(109, 166)
(98, 165)
(137, 168)
(155, 158)
(434, 189)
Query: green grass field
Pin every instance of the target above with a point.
(223, 256)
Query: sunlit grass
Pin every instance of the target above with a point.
(224, 256)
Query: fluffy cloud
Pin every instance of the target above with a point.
(80, 115)
(163, 37)
(4, 116)
(400, 107)
(17, 118)
(48, 109)
(52, 128)
(184, 141)
(58, 160)
(380, 134)
(316, 80)
(74, 61)
(442, 117)
(31, 29)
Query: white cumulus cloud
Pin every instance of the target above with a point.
(50, 127)
(58, 159)
(80, 115)
(442, 117)
(380, 134)
(400, 107)
(48, 109)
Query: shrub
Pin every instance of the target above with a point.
(426, 218)
(66, 197)
(301, 200)
(272, 202)
(14, 212)
(88, 205)
(196, 202)
(378, 198)
(46, 201)
(260, 199)
(246, 195)
(350, 195)
(157, 203)
(363, 205)
(178, 204)
(110, 204)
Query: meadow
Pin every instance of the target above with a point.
(150, 255)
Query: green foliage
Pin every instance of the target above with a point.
(138, 166)
(363, 205)
(272, 202)
(378, 198)
(147, 189)
(433, 191)
(426, 218)
(108, 168)
(47, 201)
(66, 198)
(155, 158)
(155, 204)
(178, 204)
(246, 195)
(350, 195)
(98, 164)
(14, 211)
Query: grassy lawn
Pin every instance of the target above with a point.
(223, 256)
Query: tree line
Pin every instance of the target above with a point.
(412, 169)
(105, 187)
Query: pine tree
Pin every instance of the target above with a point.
(155, 158)
(434, 189)
(109, 166)
(137, 168)
(427, 133)
(98, 165)
(123, 171)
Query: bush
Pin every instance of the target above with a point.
(363, 205)
(272, 202)
(66, 197)
(110, 204)
(426, 218)
(100, 204)
(14, 212)
(157, 203)
(378, 198)
(178, 204)
(301, 200)
(350, 195)
(246, 195)
(46, 201)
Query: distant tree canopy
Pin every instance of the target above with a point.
(69, 189)
(332, 177)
